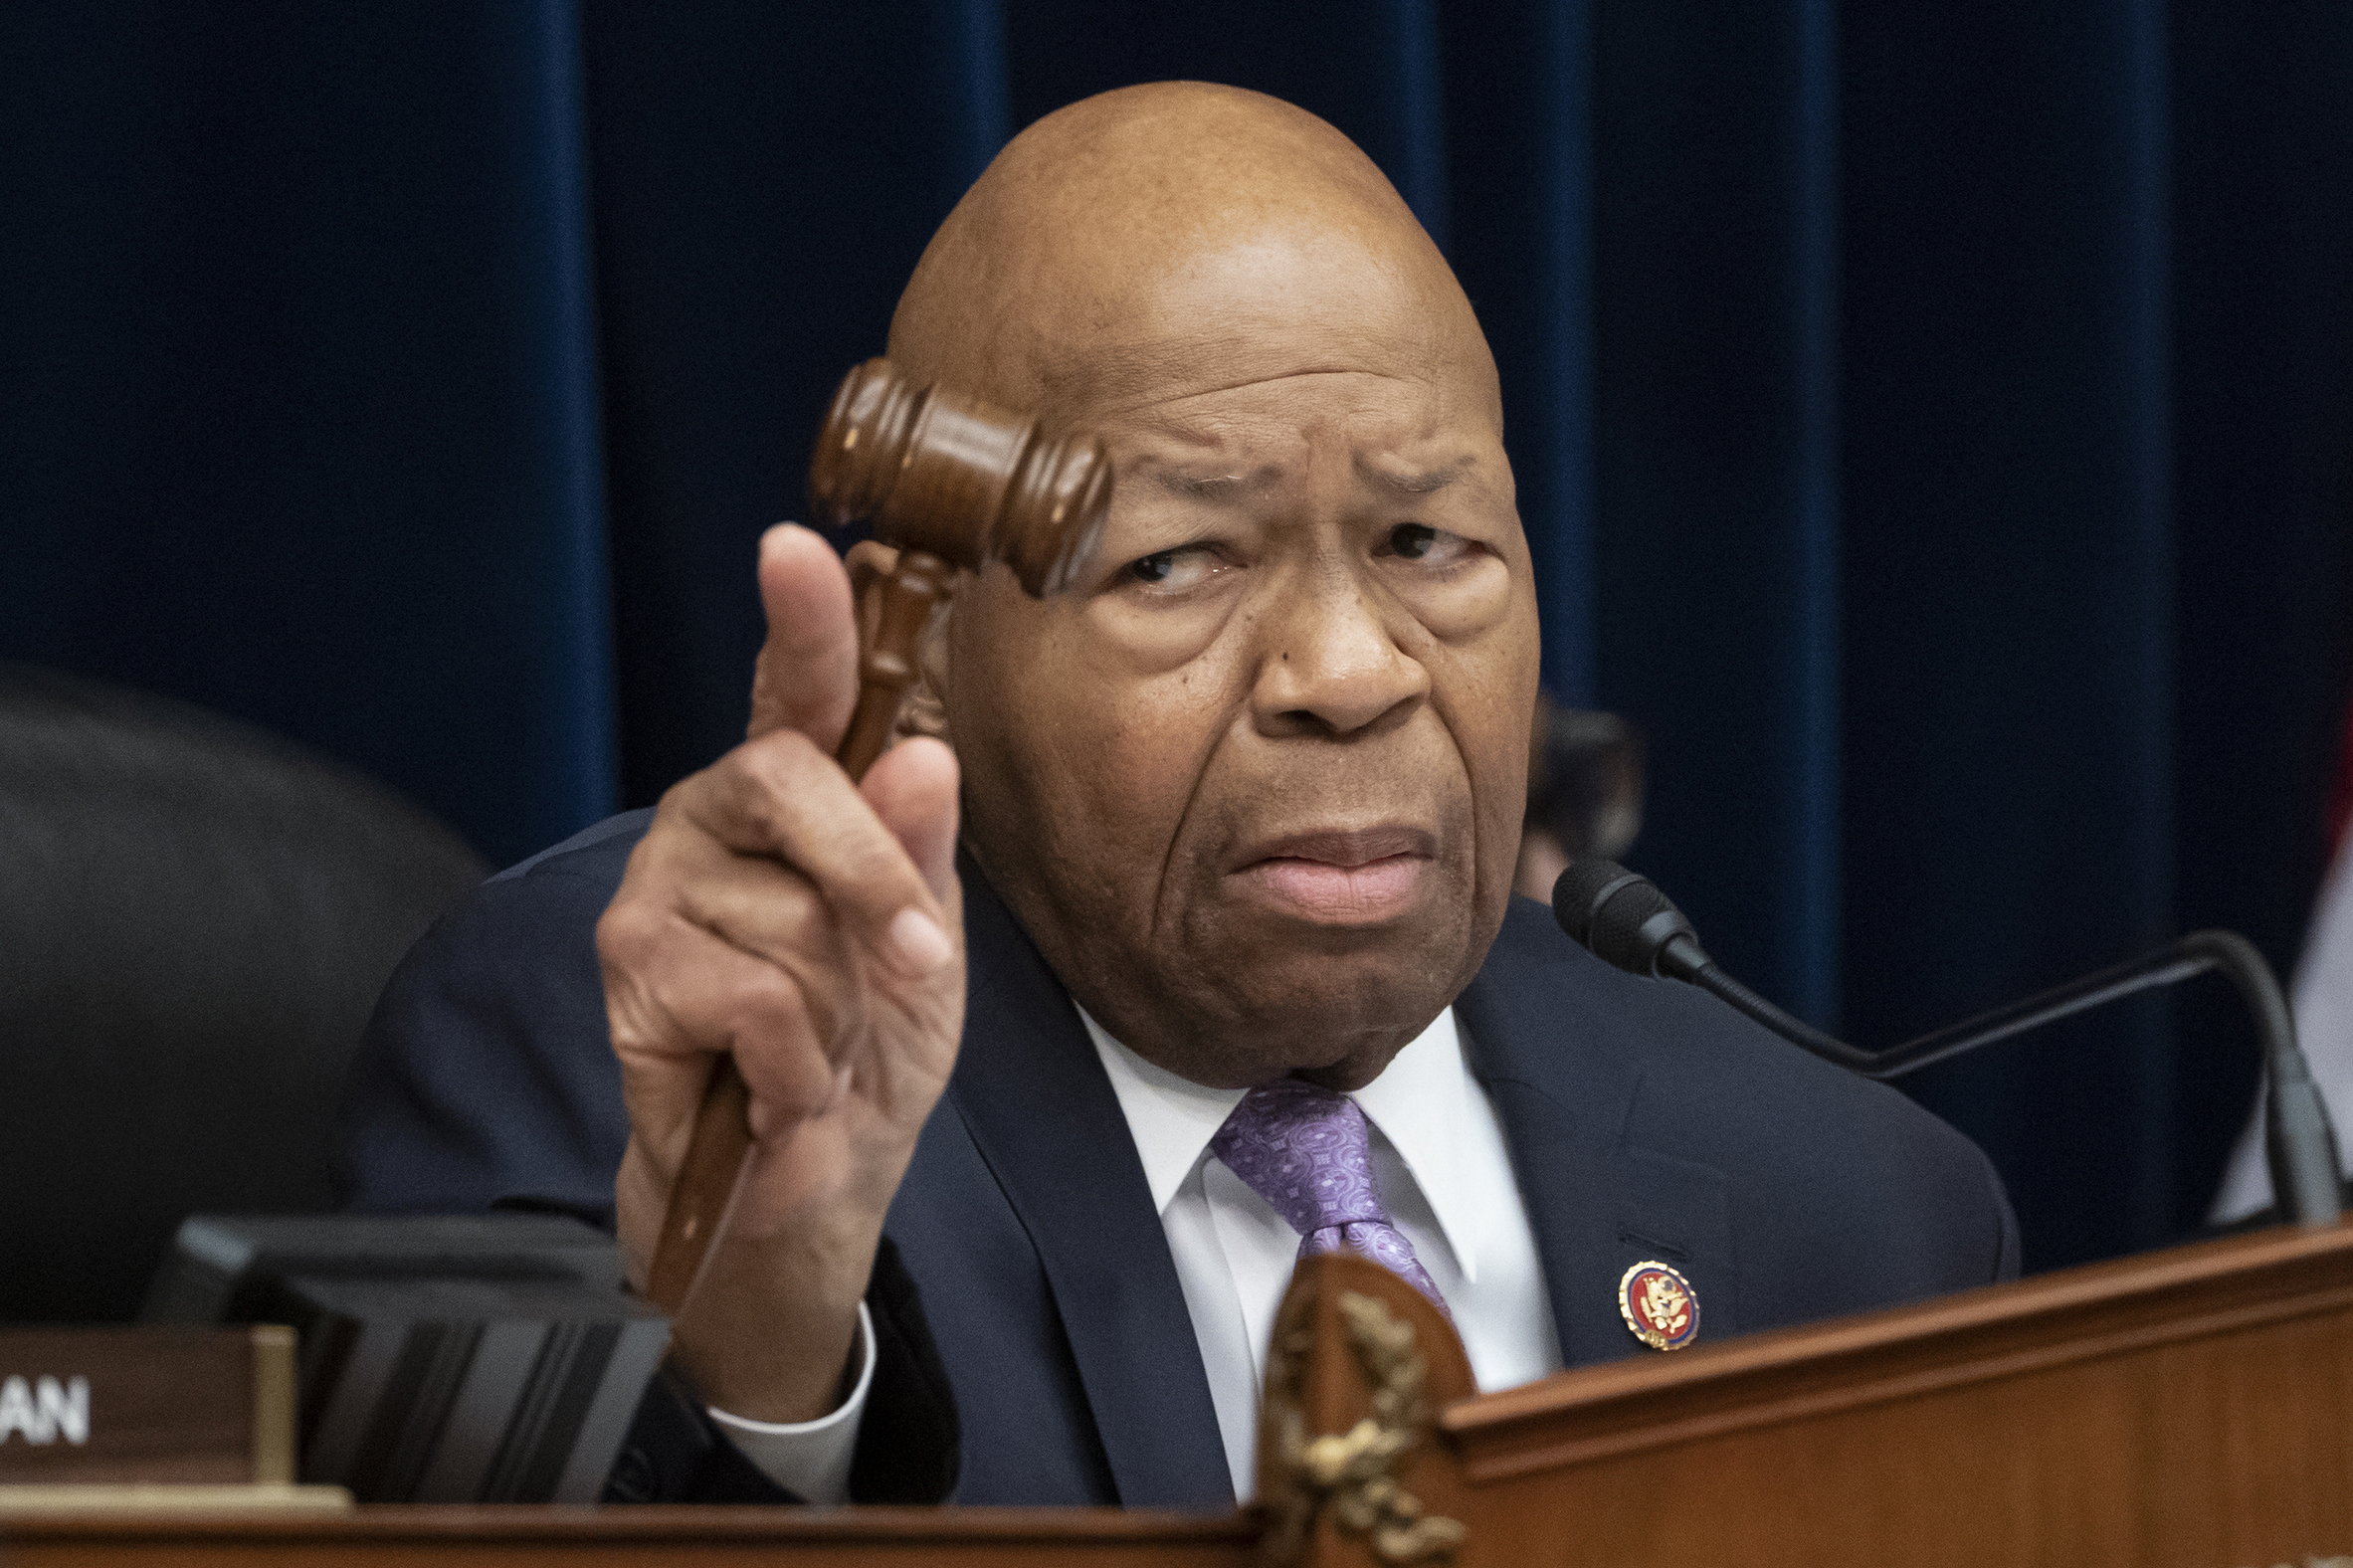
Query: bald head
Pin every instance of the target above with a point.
(1141, 241)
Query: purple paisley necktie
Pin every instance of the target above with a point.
(1307, 1152)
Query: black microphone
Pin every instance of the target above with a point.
(1623, 920)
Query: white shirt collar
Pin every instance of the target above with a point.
(1417, 1102)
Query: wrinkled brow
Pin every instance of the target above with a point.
(1225, 486)
(1212, 487)
(1428, 483)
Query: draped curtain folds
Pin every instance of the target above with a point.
(1931, 425)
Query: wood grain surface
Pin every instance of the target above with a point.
(166, 1405)
(2192, 1408)
(637, 1537)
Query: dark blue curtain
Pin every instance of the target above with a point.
(299, 386)
(1932, 422)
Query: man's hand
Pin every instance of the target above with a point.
(814, 928)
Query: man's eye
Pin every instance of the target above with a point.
(1418, 541)
(1412, 541)
(1174, 570)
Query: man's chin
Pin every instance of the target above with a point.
(1326, 1004)
(1242, 990)
(1335, 1018)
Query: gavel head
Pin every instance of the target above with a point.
(935, 471)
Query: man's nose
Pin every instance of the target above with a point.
(1331, 660)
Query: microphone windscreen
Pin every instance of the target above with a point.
(1620, 915)
(1580, 893)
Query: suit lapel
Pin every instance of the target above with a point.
(1033, 1094)
(1568, 1070)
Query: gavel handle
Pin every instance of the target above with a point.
(713, 1168)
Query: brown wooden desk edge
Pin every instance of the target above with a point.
(1978, 1335)
(1642, 1402)
(651, 1525)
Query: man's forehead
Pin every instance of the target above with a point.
(1159, 332)
(1407, 433)
(1144, 244)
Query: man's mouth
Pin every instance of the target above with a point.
(1360, 877)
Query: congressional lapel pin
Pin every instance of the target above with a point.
(1660, 1305)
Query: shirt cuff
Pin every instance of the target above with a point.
(810, 1459)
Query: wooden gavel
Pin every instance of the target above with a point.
(954, 484)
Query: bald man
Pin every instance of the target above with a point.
(1229, 900)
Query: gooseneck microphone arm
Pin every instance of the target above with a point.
(1624, 920)
(2179, 959)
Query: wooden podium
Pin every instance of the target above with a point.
(2192, 1406)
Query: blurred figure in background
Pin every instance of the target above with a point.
(1585, 793)
(2322, 997)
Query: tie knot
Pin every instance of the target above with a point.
(1309, 1153)
(1306, 1151)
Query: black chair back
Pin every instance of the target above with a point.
(195, 918)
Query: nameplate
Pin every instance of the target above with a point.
(147, 1406)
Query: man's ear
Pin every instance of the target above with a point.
(923, 710)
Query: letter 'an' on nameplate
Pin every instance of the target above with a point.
(146, 1406)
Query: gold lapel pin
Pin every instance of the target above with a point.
(1658, 1306)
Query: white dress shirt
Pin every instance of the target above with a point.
(1439, 1166)
(1441, 1170)
(810, 1459)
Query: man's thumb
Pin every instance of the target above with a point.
(806, 676)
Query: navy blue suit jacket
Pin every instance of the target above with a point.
(1645, 1119)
